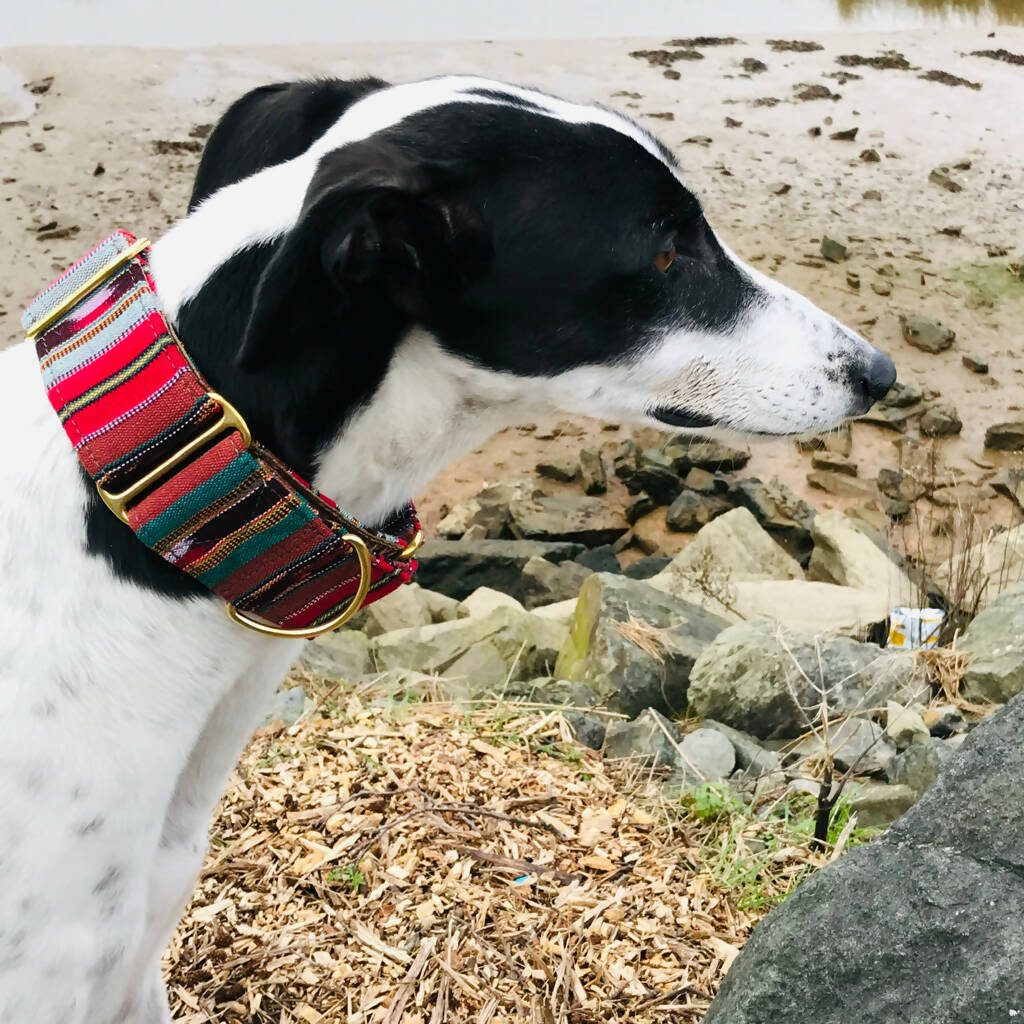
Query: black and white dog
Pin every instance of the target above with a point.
(379, 278)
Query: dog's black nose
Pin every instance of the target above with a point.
(879, 375)
(872, 378)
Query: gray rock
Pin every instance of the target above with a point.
(707, 755)
(940, 421)
(563, 470)
(705, 481)
(940, 176)
(975, 364)
(888, 417)
(442, 608)
(751, 757)
(831, 249)
(457, 568)
(599, 559)
(834, 462)
(899, 486)
(857, 745)
(926, 923)
(685, 452)
(841, 485)
(757, 680)
(342, 655)
(646, 567)
(545, 583)
(593, 476)
(527, 646)
(786, 518)
(549, 690)
(918, 766)
(587, 521)
(287, 706)
(640, 506)
(590, 730)
(1005, 437)
(650, 736)
(878, 803)
(904, 725)
(902, 396)
(850, 553)
(691, 510)
(484, 600)
(1010, 482)
(624, 461)
(731, 549)
(927, 335)
(996, 640)
(403, 607)
(656, 477)
(633, 644)
(810, 607)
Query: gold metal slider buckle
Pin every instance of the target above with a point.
(230, 419)
(87, 286)
(358, 545)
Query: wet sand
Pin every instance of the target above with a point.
(114, 141)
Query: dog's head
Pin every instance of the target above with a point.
(558, 244)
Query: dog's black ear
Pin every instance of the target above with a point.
(376, 230)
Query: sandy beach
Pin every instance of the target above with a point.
(114, 139)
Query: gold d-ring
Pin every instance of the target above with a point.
(412, 547)
(358, 545)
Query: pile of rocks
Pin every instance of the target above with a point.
(733, 630)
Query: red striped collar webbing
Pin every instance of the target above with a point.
(175, 461)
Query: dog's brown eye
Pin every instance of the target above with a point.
(665, 259)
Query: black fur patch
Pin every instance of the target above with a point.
(523, 243)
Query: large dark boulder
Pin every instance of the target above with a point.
(926, 924)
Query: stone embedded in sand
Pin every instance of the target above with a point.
(887, 417)
(888, 59)
(794, 45)
(899, 486)
(834, 462)
(974, 364)
(1005, 437)
(592, 472)
(940, 421)
(587, 521)
(832, 250)
(940, 176)
(846, 135)
(925, 334)
(753, 66)
(945, 78)
(881, 287)
(871, 193)
(815, 91)
(870, 156)
(691, 510)
(839, 484)
(853, 279)
(902, 395)
(558, 469)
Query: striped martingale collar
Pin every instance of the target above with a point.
(176, 462)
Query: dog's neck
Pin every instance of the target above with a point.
(370, 415)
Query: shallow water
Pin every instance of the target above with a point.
(250, 22)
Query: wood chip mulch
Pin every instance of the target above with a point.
(426, 864)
